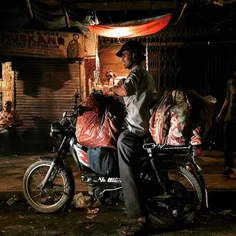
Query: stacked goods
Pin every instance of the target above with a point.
(159, 121)
(180, 118)
(201, 116)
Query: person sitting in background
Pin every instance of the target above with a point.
(107, 79)
(9, 120)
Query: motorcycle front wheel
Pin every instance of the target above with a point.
(183, 199)
(56, 192)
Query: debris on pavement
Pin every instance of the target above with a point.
(95, 204)
(91, 216)
(81, 201)
(79, 222)
(89, 226)
(12, 200)
(225, 212)
(93, 211)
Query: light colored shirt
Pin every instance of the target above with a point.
(139, 86)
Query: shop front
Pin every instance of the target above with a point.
(41, 71)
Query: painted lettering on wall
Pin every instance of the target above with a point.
(44, 44)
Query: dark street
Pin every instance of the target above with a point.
(20, 219)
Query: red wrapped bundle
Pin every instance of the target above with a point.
(94, 128)
(159, 122)
(179, 119)
(196, 139)
(91, 132)
(202, 112)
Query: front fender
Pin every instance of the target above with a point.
(64, 166)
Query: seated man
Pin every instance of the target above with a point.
(109, 78)
(9, 120)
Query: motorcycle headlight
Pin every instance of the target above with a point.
(64, 115)
(56, 130)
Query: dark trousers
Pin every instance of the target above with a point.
(129, 153)
(5, 142)
(229, 143)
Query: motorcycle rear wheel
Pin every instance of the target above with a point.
(185, 196)
(56, 193)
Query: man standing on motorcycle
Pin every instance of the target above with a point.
(137, 92)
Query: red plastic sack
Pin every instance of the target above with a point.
(91, 132)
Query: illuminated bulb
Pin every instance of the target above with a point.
(119, 32)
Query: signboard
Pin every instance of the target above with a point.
(42, 44)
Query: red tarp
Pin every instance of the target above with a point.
(134, 29)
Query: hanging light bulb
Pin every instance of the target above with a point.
(97, 21)
(91, 18)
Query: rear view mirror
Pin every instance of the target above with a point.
(76, 94)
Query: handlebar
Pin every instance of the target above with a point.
(80, 109)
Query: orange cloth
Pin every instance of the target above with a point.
(133, 30)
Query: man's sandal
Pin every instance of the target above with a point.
(137, 229)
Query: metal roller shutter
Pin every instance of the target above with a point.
(43, 91)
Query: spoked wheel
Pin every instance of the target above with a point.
(56, 192)
(183, 198)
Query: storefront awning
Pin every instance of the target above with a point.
(132, 29)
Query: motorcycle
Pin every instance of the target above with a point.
(173, 183)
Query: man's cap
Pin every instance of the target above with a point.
(133, 46)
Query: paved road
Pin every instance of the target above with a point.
(12, 170)
(21, 219)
